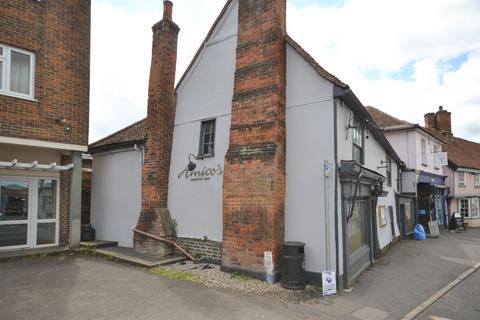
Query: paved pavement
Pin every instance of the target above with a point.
(415, 270)
(82, 287)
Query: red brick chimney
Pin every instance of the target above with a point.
(443, 122)
(155, 217)
(430, 120)
(254, 178)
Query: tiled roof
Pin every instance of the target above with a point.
(133, 133)
(384, 120)
(463, 153)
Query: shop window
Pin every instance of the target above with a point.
(358, 142)
(207, 139)
(17, 69)
(461, 179)
(464, 207)
(475, 207)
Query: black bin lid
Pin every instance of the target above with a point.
(292, 244)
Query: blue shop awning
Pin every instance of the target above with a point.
(433, 179)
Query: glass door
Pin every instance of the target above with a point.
(14, 213)
(45, 225)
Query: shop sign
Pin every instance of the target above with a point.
(441, 159)
(329, 283)
(203, 174)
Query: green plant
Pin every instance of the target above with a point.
(175, 274)
(241, 277)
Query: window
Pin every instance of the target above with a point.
(28, 212)
(357, 142)
(436, 150)
(17, 69)
(477, 181)
(399, 179)
(424, 152)
(207, 139)
(464, 207)
(474, 207)
(461, 179)
(388, 170)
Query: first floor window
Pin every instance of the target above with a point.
(389, 170)
(477, 181)
(16, 72)
(358, 142)
(461, 179)
(464, 208)
(424, 152)
(207, 139)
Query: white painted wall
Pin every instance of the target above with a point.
(374, 154)
(206, 93)
(408, 146)
(310, 132)
(116, 195)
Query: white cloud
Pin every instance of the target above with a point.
(362, 34)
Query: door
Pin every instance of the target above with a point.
(14, 213)
(28, 212)
(359, 237)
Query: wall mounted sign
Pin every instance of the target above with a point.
(382, 216)
(201, 174)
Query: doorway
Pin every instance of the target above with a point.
(29, 212)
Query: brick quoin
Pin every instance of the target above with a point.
(254, 179)
(155, 217)
(58, 33)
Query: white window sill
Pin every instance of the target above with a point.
(19, 96)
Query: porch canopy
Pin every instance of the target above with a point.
(34, 165)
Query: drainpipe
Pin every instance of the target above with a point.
(335, 157)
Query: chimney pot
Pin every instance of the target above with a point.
(440, 108)
(167, 9)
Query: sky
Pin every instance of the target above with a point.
(405, 57)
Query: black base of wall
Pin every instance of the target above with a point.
(254, 274)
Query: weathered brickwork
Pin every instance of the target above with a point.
(254, 180)
(202, 248)
(155, 217)
(58, 33)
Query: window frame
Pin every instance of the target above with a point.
(357, 127)
(6, 73)
(388, 171)
(461, 207)
(476, 180)
(203, 123)
(474, 213)
(462, 182)
(423, 150)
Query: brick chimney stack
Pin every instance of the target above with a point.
(430, 120)
(254, 178)
(443, 122)
(155, 217)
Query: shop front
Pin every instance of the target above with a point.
(360, 190)
(431, 199)
(29, 212)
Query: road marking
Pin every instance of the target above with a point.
(440, 293)
(438, 318)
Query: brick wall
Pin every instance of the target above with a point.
(203, 248)
(254, 180)
(155, 217)
(58, 33)
(64, 202)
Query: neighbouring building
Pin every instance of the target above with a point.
(44, 109)
(256, 145)
(463, 171)
(423, 181)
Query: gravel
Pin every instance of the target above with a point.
(211, 276)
